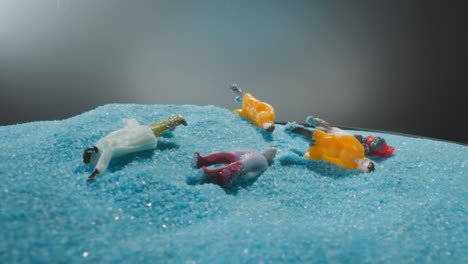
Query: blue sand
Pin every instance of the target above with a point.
(412, 209)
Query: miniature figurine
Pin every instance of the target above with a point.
(376, 146)
(260, 113)
(132, 138)
(372, 145)
(344, 150)
(242, 165)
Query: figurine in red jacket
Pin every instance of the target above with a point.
(376, 146)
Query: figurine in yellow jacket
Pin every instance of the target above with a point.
(342, 149)
(260, 113)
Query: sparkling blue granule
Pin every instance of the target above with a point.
(412, 209)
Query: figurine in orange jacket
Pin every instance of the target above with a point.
(260, 113)
(372, 145)
(342, 149)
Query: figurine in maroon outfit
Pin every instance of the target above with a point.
(241, 165)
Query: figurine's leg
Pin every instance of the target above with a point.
(94, 175)
(211, 159)
(317, 122)
(300, 130)
(237, 90)
(224, 175)
(101, 165)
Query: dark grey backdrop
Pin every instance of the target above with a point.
(389, 65)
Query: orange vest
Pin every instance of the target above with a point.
(341, 150)
(256, 110)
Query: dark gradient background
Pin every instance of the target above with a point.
(387, 65)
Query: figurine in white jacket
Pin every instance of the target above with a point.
(132, 138)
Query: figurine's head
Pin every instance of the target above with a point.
(269, 154)
(90, 155)
(365, 165)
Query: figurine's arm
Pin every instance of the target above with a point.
(167, 124)
(254, 163)
(240, 112)
(336, 161)
(252, 175)
(129, 123)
